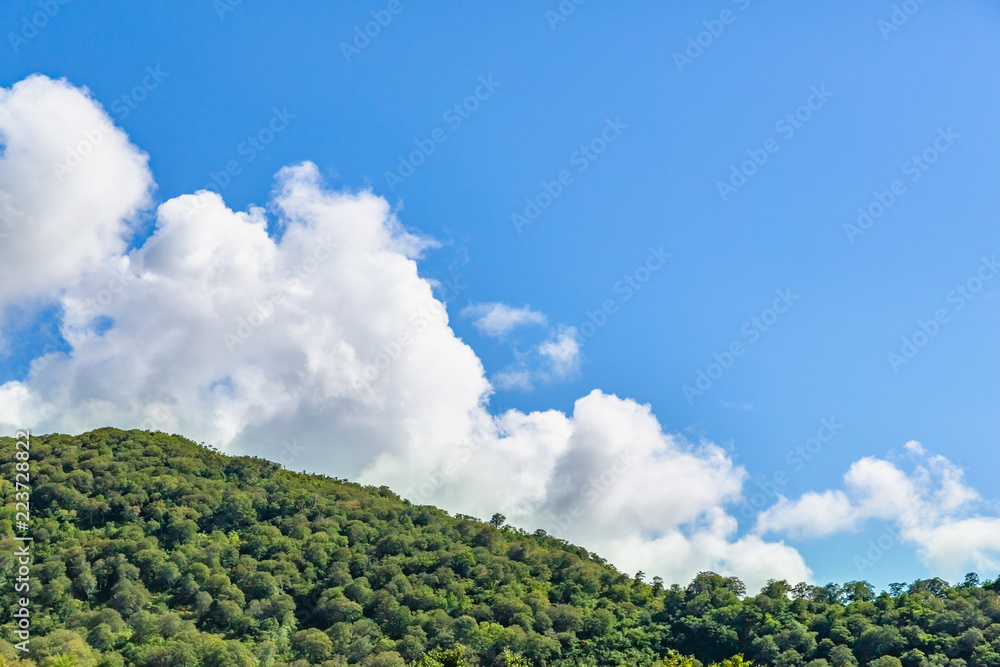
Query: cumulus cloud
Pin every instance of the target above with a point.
(70, 185)
(606, 477)
(653, 498)
(498, 319)
(323, 348)
(931, 508)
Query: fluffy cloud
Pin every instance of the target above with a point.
(654, 499)
(321, 347)
(497, 319)
(562, 353)
(70, 184)
(607, 477)
(931, 507)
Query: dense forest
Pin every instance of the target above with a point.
(154, 551)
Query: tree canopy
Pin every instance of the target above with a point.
(153, 551)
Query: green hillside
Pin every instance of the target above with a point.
(152, 550)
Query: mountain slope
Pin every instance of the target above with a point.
(152, 550)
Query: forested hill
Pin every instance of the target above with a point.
(152, 550)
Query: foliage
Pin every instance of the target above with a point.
(153, 551)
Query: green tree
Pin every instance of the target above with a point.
(312, 644)
(675, 659)
(735, 661)
(511, 659)
(439, 657)
(886, 661)
(157, 552)
(859, 591)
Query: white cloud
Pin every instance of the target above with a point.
(813, 515)
(515, 376)
(562, 352)
(554, 360)
(498, 319)
(70, 183)
(609, 478)
(325, 350)
(955, 545)
(932, 507)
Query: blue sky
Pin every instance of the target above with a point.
(885, 97)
